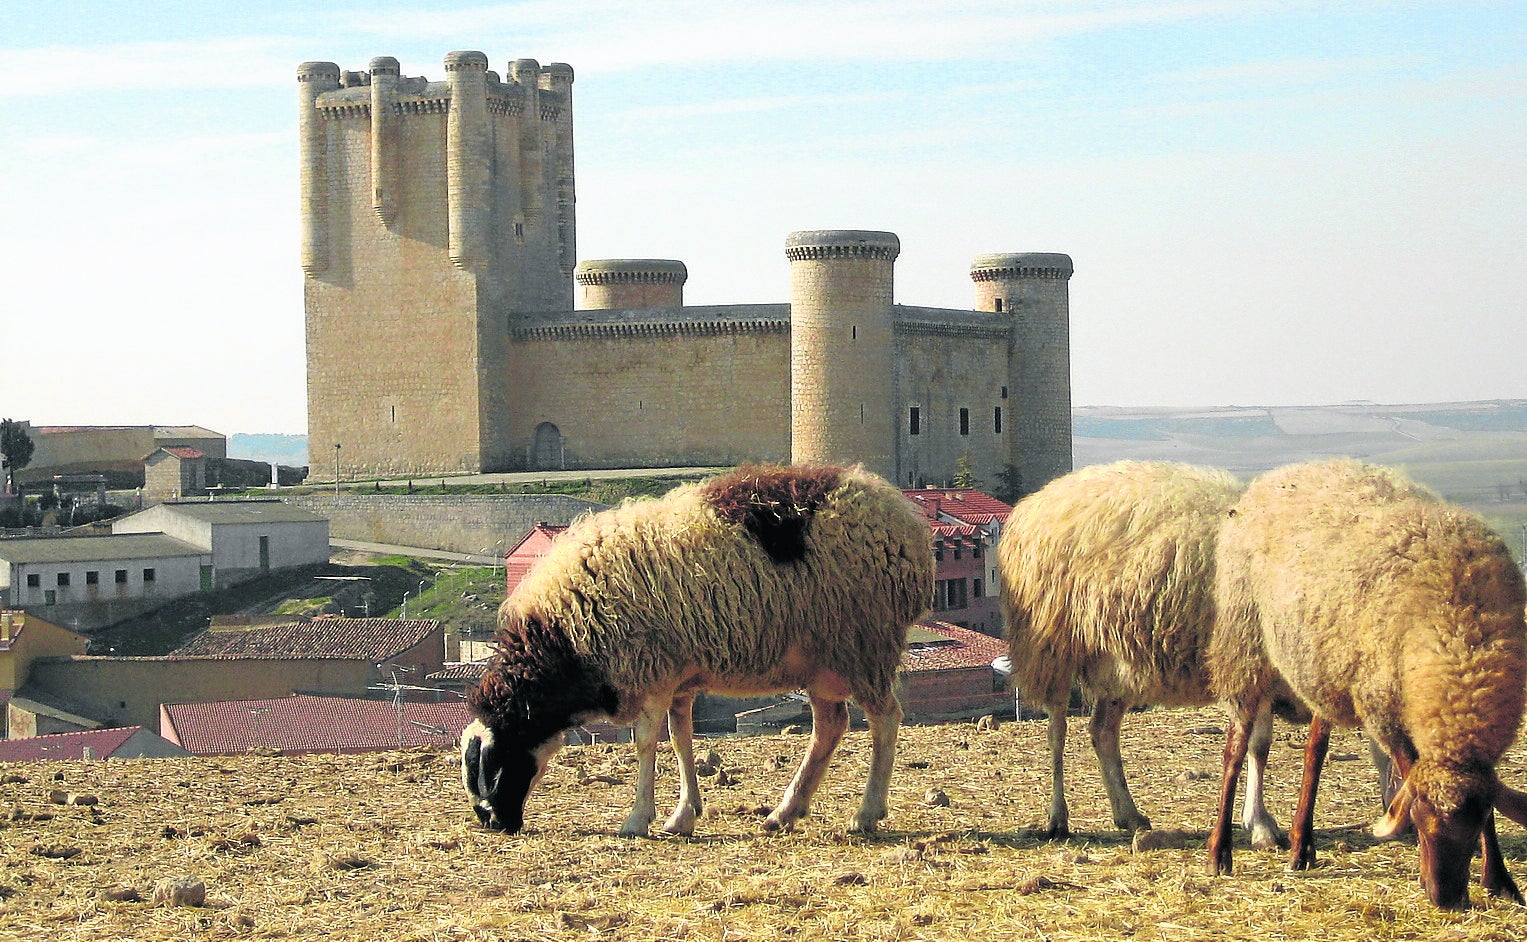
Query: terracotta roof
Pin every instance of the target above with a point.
(949, 531)
(962, 648)
(102, 743)
(370, 639)
(301, 724)
(183, 451)
(463, 671)
(964, 504)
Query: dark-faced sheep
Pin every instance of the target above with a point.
(762, 580)
(1108, 580)
(1384, 609)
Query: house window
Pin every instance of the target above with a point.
(148, 575)
(997, 420)
(938, 552)
(975, 588)
(121, 577)
(949, 594)
(956, 551)
(34, 580)
(916, 421)
(50, 597)
(964, 421)
(975, 551)
(92, 577)
(1004, 392)
(999, 305)
(63, 580)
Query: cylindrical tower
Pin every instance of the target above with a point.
(385, 145)
(842, 348)
(618, 284)
(558, 77)
(1030, 290)
(468, 160)
(313, 79)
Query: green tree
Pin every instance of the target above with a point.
(15, 450)
(964, 471)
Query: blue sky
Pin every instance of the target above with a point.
(1266, 202)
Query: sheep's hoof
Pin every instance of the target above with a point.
(781, 823)
(635, 826)
(1132, 823)
(682, 823)
(1266, 841)
(1057, 832)
(861, 826)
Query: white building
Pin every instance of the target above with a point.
(246, 537)
(88, 581)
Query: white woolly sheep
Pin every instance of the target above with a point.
(1385, 609)
(1108, 579)
(761, 580)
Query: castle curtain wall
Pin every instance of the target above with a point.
(942, 368)
(653, 395)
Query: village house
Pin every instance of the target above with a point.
(247, 538)
(173, 472)
(966, 525)
(304, 724)
(327, 656)
(126, 742)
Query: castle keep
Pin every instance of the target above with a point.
(440, 259)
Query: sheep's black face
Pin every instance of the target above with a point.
(1447, 843)
(499, 773)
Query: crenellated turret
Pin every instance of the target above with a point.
(622, 284)
(385, 146)
(1030, 290)
(842, 348)
(468, 161)
(313, 79)
(558, 78)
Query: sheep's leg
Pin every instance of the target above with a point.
(1060, 817)
(1236, 739)
(884, 727)
(1493, 875)
(1512, 804)
(1107, 717)
(681, 732)
(1255, 817)
(649, 725)
(829, 721)
(1302, 831)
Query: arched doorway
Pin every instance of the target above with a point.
(546, 452)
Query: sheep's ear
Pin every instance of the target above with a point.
(1398, 815)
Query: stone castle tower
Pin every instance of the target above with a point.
(439, 252)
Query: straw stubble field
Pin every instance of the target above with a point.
(383, 846)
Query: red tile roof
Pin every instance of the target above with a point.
(183, 451)
(524, 554)
(301, 724)
(965, 504)
(468, 671)
(372, 639)
(962, 648)
(102, 743)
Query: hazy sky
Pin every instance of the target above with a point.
(1266, 202)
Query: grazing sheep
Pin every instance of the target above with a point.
(762, 580)
(1107, 579)
(1385, 609)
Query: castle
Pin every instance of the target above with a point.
(439, 252)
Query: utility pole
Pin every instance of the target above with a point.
(336, 470)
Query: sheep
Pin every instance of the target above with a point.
(1107, 578)
(761, 580)
(1385, 609)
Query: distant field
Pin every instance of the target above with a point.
(1474, 454)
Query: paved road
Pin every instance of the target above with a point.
(392, 549)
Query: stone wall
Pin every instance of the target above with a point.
(469, 523)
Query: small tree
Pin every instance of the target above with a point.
(1009, 485)
(15, 450)
(964, 471)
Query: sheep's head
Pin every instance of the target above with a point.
(534, 689)
(1448, 810)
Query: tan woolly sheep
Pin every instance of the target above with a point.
(1385, 609)
(1107, 579)
(761, 580)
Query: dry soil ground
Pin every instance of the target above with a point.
(383, 846)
